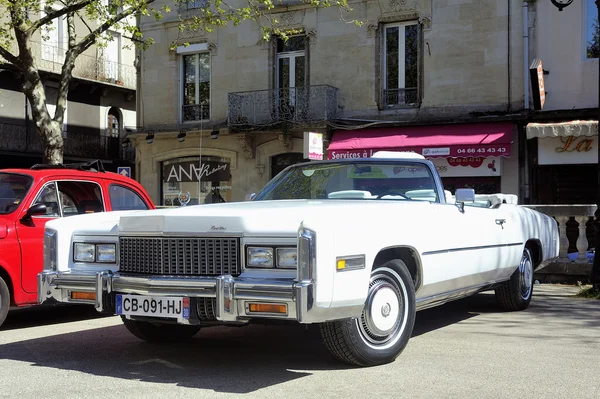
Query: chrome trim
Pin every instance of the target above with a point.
(443, 251)
(230, 293)
(440, 299)
(307, 255)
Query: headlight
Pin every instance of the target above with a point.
(90, 253)
(287, 258)
(106, 253)
(259, 257)
(49, 249)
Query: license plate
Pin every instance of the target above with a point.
(153, 306)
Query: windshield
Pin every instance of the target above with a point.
(13, 189)
(362, 181)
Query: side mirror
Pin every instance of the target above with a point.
(37, 209)
(463, 195)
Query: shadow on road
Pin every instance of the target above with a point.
(48, 315)
(236, 360)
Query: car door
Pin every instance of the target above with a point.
(63, 197)
(31, 235)
(466, 248)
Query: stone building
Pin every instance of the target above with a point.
(444, 78)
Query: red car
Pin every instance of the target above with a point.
(31, 197)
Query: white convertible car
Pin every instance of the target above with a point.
(357, 246)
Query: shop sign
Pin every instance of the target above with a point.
(313, 146)
(190, 171)
(567, 150)
(456, 151)
(538, 88)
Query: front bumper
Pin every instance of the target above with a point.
(231, 294)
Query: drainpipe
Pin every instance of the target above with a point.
(526, 54)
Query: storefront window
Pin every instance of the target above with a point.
(187, 181)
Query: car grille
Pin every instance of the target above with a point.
(180, 256)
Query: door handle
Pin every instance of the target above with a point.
(500, 222)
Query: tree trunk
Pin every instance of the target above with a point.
(51, 133)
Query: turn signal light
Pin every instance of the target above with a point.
(267, 308)
(89, 296)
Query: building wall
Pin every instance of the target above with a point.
(472, 61)
(559, 41)
(466, 59)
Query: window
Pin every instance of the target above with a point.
(196, 87)
(13, 189)
(290, 81)
(400, 74)
(124, 199)
(113, 126)
(48, 196)
(190, 5)
(592, 33)
(112, 57)
(76, 198)
(191, 181)
(54, 45)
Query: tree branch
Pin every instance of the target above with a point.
(90, 39)
(8, 56)
(71, 8)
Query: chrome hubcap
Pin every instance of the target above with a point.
(384, 316)
(525, 276)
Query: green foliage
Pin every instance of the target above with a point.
(589, 293)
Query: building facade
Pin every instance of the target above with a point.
(562, 136)
(101, 102)
(444, 78)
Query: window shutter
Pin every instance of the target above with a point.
(420, 62)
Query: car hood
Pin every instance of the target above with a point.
(267, 218)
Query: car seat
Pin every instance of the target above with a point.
(89, 206)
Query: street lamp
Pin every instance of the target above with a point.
(560, 4)
(595, 274)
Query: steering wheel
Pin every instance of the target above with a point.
(392, 192)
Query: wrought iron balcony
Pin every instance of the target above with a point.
(308, 104)
(407, 97)
(17, 138)
(50, 58)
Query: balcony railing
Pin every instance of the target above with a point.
(577, 233)
(401, 97)
(17, 138)
(196, 112)
(307, 104)
(50, 58)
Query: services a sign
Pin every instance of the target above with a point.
(313, 146)
(190, 171)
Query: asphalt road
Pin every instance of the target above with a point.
(467, 349)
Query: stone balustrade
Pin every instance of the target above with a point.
(577, 238)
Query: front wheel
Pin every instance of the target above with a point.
(160, 333)
(515, 294)
(382, 331)
(4, 300)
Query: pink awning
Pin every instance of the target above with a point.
(433, 141)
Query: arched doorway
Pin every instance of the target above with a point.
(113, 123)
(282, 161)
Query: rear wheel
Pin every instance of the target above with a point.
(160, 333)
(4, 300)
(380, 334)
(515, 294)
